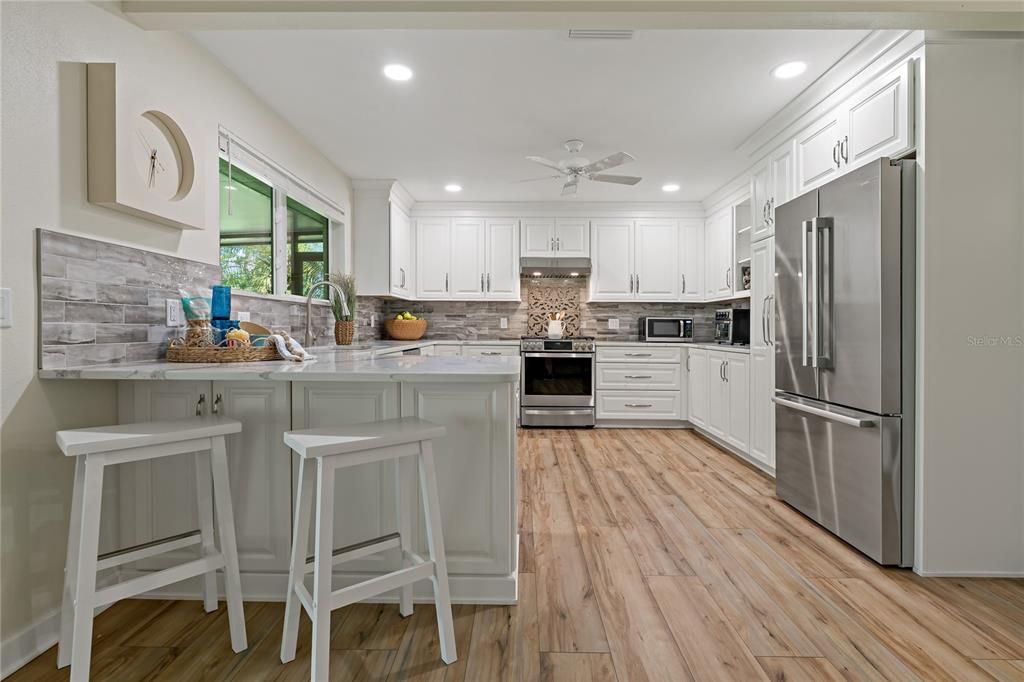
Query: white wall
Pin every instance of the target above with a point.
(971, 251)
(44, 185)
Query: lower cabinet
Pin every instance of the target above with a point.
(719, 383)
(495, 350)
(640, 383)
(643, 405)
(762, 409)
(697, 381)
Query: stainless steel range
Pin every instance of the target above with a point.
(557, 382)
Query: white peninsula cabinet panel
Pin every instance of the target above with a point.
(433, 257)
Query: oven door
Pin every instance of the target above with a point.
(558, 380)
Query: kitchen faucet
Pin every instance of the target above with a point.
(307, 340)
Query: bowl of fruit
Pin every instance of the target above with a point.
(406, 327)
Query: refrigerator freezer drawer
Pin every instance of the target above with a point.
(842, 468)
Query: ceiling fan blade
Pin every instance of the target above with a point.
(546, 177)
(607, 162)
(618, 179)
(545, 162)
(571, 186)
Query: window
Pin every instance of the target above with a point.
(274, 229)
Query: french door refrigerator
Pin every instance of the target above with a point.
(844, 363)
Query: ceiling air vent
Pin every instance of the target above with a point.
(600, 33)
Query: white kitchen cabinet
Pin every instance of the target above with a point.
(876, 121)
(639, 405)
(718, 255)
(491, 350)
(611, 277)
(551, 238)
(448, 349)
(642, 377)
(762, 354)
(718, 396)
(771, 184)
(729, 398)
(656, 263)
(698, 382)
(691, 260)
(760, 190)
(468, 238)
(402, 280)
(501, 260)
(433, 258)
(643, 354)
(635, 260)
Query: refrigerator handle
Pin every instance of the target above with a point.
(823, 346)
(804, 286)
(831, 415)
(815, 293)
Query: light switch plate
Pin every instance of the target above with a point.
(243, 316)
(175, 316)
(6, 312)
(503, 323)
(613, 323)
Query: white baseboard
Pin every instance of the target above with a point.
(968, 574)
(23, 646)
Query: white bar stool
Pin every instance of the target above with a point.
(335, 448)
(98, 448)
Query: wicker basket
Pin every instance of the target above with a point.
(344, 332)
(406, 330)
(177, 351)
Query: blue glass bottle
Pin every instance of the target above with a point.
(221, 304)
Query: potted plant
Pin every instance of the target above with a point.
(344, 325)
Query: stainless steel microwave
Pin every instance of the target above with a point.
(666, 329)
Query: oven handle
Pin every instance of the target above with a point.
(558, 355)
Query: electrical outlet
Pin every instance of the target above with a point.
(503, 323)
(613, 323)
(175, 317)
(373, 319)
(6, 313)
(244, 317)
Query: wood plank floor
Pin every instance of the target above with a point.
(645, 555)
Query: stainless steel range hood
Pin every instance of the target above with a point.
(554, 267)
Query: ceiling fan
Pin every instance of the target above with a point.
(577, 167)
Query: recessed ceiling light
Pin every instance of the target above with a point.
(398, 72)
(452, 187)
(789, 70)
(670, 187)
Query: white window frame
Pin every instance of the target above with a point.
(284, 184)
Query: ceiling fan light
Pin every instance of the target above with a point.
(670, 187)
(789, 70)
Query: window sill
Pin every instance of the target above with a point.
(286, 298)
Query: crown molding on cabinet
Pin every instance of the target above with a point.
(539, 209)
(396, 192)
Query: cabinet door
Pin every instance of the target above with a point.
(760, 201)
(433, 257)
(656, 249)
(572, 238)
(817, 151)
(718, 395)
(781, 188)
(762, 288)
(691, 260)
(158, 497)
(538, 238)
(762, 409)
(612, 276)
(502, 259)
(365, 500)
(881, 118)
(401, 252)
(468, 279)
(737, 383)
(697, 380)
(259, 469)
(718, 255)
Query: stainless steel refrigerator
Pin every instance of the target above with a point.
(844, 357)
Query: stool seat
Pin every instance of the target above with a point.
(76, 442)
(340, 440)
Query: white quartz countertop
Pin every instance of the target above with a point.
(328, 366)
(708, 346)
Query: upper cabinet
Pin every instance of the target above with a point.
(876, 121)
(383, 239)
(467, 258)
(771, 184)
(402, 282)
(718, 261)
(635, 260)
(550, 238)
(691, 260)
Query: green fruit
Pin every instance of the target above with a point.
(399, 316)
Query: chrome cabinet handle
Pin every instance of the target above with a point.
(728, 277)
(764, 319)
(638, 283)
(687, 362)
(835, 153)
(446, 281)
(725, 370)
(489, 352)
(771, 336)
(488, 281)
(481, 282)
(684, 282)
(639, 405)
(216, 404)
(631, 284)
(199, 404)
(771, 211)
(637, 355)
(637, 376)
(844, 149)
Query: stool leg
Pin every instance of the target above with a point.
(226, 526)
(85, 572)
(204, 499)
(405, 491)
(435, 543)
(297, 566)
(322, 567)
(67, 608)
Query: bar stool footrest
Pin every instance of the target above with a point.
(158, 579)
(359, 550)
(381, 584)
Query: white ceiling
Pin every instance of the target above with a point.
(681, 102)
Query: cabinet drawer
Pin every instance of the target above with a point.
(643, 354)
(482, 351)
(652, 405)
(647, 377)
(447, 349)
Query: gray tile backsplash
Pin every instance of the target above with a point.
(102, 303)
